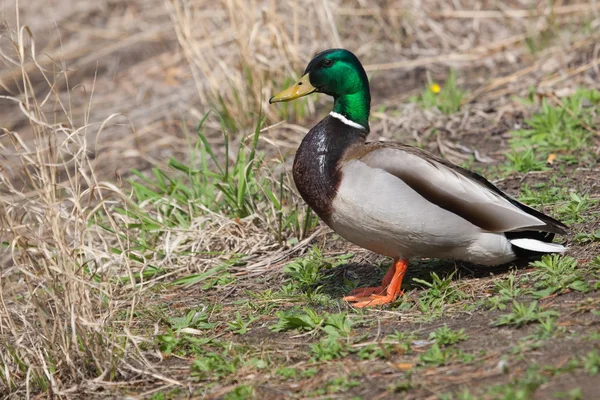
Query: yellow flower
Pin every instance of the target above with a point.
(435, 88)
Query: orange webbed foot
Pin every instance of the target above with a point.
(365, 292)
(375, 300)
(384, 294)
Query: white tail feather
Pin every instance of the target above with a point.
(538, 245)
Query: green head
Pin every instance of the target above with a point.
(338, 73)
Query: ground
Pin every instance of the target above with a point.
(153, 244)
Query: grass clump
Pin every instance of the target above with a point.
(438, 295)
(561, 127)
(555, 273)
(445, 336)
(306, 274)
(437, 356)
(591, 362)
(241, 392)
(506, 290)
(213, 365)
(576, 206)
(522, 314)
(237, 189)
(239, 325)
(447, 98)
(308, 320)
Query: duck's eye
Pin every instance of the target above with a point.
(327, 63)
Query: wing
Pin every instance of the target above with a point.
(455, 189)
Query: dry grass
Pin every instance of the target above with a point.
(89, 90)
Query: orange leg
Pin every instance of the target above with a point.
(373, 296)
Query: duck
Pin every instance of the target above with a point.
(398, 200)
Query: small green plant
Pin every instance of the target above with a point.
(195, 318)
(287, 372)
(522, 314)
(555, 273)
(215, 276)
(439, 293)
(240, 326)
(339, 384)
(520, 388)
(447, 99)
(507, 290)
(560, 127)
(547, 328)
(573, 211)
(588, 237)
(445, 336)
(573, 394)
(307, 320)
(591, 362)
(543, 193)
(213, 365)
(437, 356)
(241, 392)
(465, 394)
(523, 161)
(306, 273)
(373, 351)
(338, 325)
(329, 348)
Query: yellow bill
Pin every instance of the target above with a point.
(301, 88)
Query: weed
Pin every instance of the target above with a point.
(521, 388)
(287, 372)
(240, 326)
(573, 394)
(591, 362)
(336, 385)
(309, 372)
(523, 161)
(587, 237)
(561, 127)
(524, 314)
(543, 193)
(576, 206)
(439, 293)
(328, 349)
(507, 290)
(445, 336)
(447, 99)
(465, 394)
(338, 325)
(307, 320)
(556, 273)
(241, 392)
(437, 356)
(547, 328)
(195, 318)
(399, 387)
(306, 273)
(373, 351)
(215, 276)
(234, 189)
(212, 365)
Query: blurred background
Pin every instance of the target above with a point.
(155, 67)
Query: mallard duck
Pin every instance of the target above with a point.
(397, 200)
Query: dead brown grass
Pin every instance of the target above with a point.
(90, 90)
